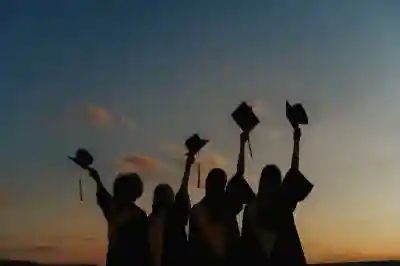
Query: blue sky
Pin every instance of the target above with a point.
(138, 77)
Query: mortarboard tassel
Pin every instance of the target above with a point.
(198, 176)
(80, 187)
(251, 153)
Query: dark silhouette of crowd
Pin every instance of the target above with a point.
(268, 237)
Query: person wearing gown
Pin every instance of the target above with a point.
(127, 222)
(269, 234)
(214, 236)
(167, 222)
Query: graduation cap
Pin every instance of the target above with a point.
(194, 144)
(245, 119)
(83, 159)
(296, 114)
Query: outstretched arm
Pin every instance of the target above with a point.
(182, 200)
(238, 191)
(294, 167)
(296, 148)
(291, 204)
(241, 158)
(96, 177)
(296, 193)
(186, 174)
(104, 198)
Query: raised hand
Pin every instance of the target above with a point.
(190, 159)
(244, 136)
(297, 134)
(94, 174)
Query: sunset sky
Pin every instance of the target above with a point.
(131, 80)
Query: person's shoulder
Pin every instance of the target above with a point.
(143, 214)
(198, 205)
(196, 208)
(236, 176)
(139, 212)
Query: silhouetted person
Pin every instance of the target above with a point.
(269, 234)
(167, 222)
(127, 222)
(295, 189)
(262, 220)
(214, 236)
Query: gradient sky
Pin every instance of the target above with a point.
(130, 80)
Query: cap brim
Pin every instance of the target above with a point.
(77, 162)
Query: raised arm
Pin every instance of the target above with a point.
(104, 198)
(238, 191)
(241, 158)
(291, 204)
(296, 148)
(96, 177)
(182, 200)
(186, 174)
(295, 183)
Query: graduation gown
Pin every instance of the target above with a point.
(127, 232)
(168, 239)
(216, 241)
(281, 227)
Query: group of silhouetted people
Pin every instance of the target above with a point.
(269, 235)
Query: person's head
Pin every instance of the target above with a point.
(163, 197)
(270, 181)
(215, 183)
(128, 187)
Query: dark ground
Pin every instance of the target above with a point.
(364, 263)
(29, 263)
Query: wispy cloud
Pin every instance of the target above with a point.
(99, 115)
(104, 117)
(212, 160)
(174, 153)
(94, 115)
(138, 163)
